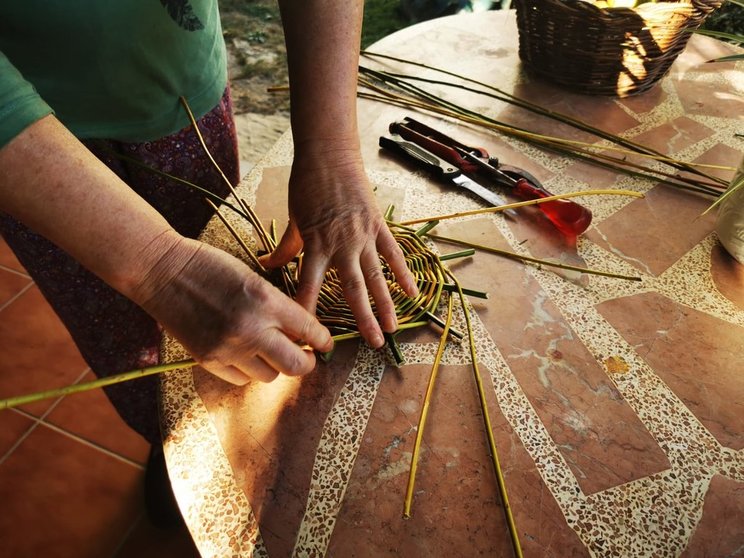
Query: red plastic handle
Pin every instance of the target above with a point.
(568, 217)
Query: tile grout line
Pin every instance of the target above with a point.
(14, 271)
(79, 439)
(23, 436)
(36, 420)
(92, 445)
(16, 296)
(128, 534)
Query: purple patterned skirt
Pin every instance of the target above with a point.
(112, 333)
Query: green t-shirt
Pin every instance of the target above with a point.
(110, 69)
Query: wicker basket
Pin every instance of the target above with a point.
(615, 51)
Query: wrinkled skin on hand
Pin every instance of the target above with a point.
(334, 217)
(233, 323)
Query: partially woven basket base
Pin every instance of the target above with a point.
(617, 52)
(427, 269)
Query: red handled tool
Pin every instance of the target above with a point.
(567, 216)
(439, 167)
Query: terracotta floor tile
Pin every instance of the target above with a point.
(13, 425)
(62, 498)
(37, 351)
(8, 259)
(147, 541)
(11, 283)
(91, 415)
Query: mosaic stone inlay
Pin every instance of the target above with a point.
(659, 513)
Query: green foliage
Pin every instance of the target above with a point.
(729, 18)
(381, 18)
(727, 24)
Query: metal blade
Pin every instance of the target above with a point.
(482, 192)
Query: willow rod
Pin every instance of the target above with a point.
(442, 106)
(149, 371)
(498, 208)
(648, 174)
(529, 259)
(408, 502)
(95, 384)
(537, 109)
(488, 427)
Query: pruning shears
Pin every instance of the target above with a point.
(569, 217)
(440, 168)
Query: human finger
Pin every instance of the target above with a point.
(289, 246)
(377, 286)
(285, 356)
(355, 292)
(312, 274)
(253, 368)
(300, 325)
(389, 249)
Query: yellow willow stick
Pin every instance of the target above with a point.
(498, 208)
(149, 371)
(101, 382)
(425, 412)
(537, 261)
(555, 139)
(487, 423)
(555, 143)
(520, 257)
(238, 238)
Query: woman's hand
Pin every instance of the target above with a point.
(333, 214)
(233, 322)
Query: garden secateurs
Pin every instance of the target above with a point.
(450, 159)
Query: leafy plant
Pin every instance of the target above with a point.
(727, 23)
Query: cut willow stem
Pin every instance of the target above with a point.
(537, 261)
(425, 412)
(238, 238)
(487, 425)
(392, 344)
(426, 228)
(438, 105)
(498, 208)
(95, 384)
(456, 255)
(537, 109)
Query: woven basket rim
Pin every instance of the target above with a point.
(617, 15)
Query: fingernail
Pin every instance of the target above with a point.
(390, 323)
(377, 341)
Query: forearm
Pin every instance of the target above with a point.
(53, 184)
(323, 55)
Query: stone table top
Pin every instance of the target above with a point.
(617, 407)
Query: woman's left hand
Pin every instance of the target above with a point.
(335, 218)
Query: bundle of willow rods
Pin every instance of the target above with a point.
(402, 90)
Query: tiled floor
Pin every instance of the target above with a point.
(71, 472)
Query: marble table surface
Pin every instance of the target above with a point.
(617, 407)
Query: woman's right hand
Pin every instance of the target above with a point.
(233, 322)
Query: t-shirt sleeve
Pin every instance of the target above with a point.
(20, 104)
